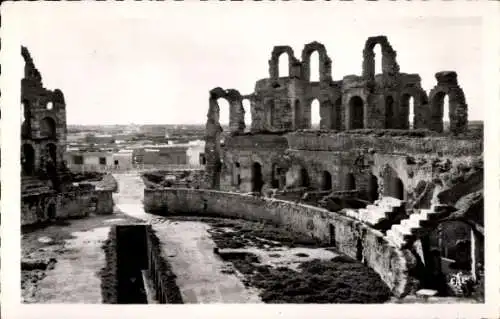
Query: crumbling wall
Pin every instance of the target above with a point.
(37, 208)
(350, 236)
(447, 84)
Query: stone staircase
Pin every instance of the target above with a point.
(382, 214)
(408, 230)
(33, 185)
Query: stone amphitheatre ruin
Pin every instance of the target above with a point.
(380, 187)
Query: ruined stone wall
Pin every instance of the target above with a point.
(247, 150)
(390, 263)
(43, 110)
(37, 208)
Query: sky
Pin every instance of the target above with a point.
(156, 64)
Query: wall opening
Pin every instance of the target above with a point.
(356, 107)
(314, 66)
(326, 181)
(51, 211)
(50, 106)
(272, 113)
(389, 112)
(247, 107)
(27, 159)
(411, 113)
(350, 182)
(283, 65)
(372, 188)
(446, 114)
(304, 178)
(48, 128)
(257, 181)
(224, 108)
(393, 185)
(377, 51)
(52, 152)
(333, 242)
(275, 172)
(297, 115)
(236, 174)
(315, 114)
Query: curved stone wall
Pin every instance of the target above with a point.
(348, 235)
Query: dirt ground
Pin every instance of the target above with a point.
(62, 253)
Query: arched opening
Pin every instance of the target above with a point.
(372, 188)
(446, 114)
(247, 107)
(326, 181)
(287, 124)
(304, 178)
(408, 107)
(27, 159)
(224, 108)
(315, 114)
(25, 119)
(389, 112)
(283, 65)
(314, 67)
(48, 128)
(297, 114)
(356, 113)
(52, 152)
(236, 174)
(50, 106)
(350, 182)
(393, 185)
(337, 114)
(377, 51)
(257, 181)
(51, 211)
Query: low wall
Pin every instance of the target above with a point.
(141, 243)
(39, 208)
(349, 236)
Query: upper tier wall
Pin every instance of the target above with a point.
(384, 144)
(346, 233)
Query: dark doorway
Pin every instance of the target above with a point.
(326, 182)
(48, 128)
(51, 212)
(332, 236)
(275, 175)
(257, 181)
(28, 159)
(52, 152)
(399, 191)
(372, 188)
(304, 178)
(297, 115)
(356, 108)
(350, 182)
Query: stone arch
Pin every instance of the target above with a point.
(28, 159)
(274, 61)
(51, 149)
(393, 185)
(389, 64)
(337, 114)
(58, 99)
(236, 174)
(326, 180)
(247, 114)
(237, 122)
(356, 113)
(420, 105)
(271, 111)
(257, 179)
(390, 112)
(448, 85)
(297, 114)
(25, 119)
(48, 128)
(373, 193)
(325, 63)
(349, 182)
(287, 123)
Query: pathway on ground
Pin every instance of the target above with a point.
(189, 249)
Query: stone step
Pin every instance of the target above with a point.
(394, 238)
(402, 231)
